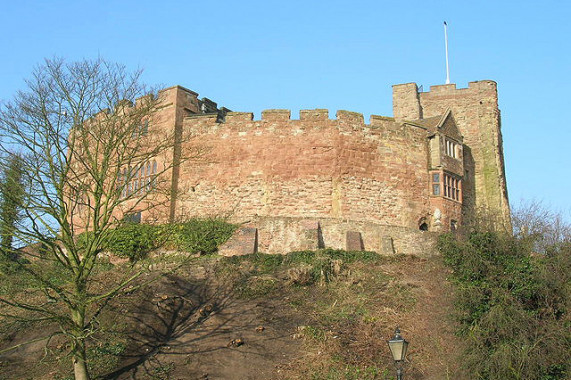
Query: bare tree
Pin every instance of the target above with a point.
(90, 157)
(11, 198)
(543, 227)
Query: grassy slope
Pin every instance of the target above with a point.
(324, 315)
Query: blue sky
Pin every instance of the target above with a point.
(255, 55)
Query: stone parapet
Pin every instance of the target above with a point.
(314, 115)
(276, 115)
(280, 235)
(239, 117)
(279, 121)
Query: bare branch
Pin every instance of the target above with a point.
(88, 160)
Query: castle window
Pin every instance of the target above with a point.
(451, 187)
(132, 218)
(451, 148)
(137, 180)
(145, 127)
(141, 129)
(435, 183)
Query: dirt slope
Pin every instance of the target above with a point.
(220, 319)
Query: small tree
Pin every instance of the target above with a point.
(87, 162)
(512, 304)
(11, 201)
(544, 229)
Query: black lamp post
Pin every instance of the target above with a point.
(398, 346)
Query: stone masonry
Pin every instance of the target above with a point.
(339, 182)
(477, 115)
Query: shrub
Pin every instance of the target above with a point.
(135, 240)
(132, 240)
(201, 236)
(511, 305)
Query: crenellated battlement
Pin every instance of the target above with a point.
(238, 117)
(426, 168)
(318, 118)
(276, 115)
(349, 117)
(450, 89)
(411, 104)
(314, 115)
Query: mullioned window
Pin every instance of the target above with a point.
(451, 148)
(138, 179)
(447, 185)
(451, 187)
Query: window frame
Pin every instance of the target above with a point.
(436, 184)
(136, 180)
(446, 185)
(452, 186)
(451, 148)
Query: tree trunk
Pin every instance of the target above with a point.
(79, 356)
(79, 363)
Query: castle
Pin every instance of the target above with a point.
(338, 182)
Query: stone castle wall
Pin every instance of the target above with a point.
(475, 110)
(336, 182)
(278, 175)
(312, 167)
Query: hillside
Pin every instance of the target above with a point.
(307, 315)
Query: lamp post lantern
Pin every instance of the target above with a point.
(398, 346)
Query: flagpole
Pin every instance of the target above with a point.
(446, 45)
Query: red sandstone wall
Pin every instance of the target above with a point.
(173, 104)
(476, 112)
(284, 175)
(313, 167)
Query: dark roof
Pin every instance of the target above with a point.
(430, 123)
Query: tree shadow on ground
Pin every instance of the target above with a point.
(179, 319)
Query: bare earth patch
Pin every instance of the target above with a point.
(222, 319)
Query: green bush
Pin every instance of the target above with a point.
(198, 235)
(511, 306)
(132, 240)
(135, 240)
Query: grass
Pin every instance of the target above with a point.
(314, 333)
(352, 372)
(162, 371)
(340, 307)
(257, 286)
(342, 282)
(105, 356)
(343, 293)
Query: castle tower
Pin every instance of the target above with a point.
(475, 110)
